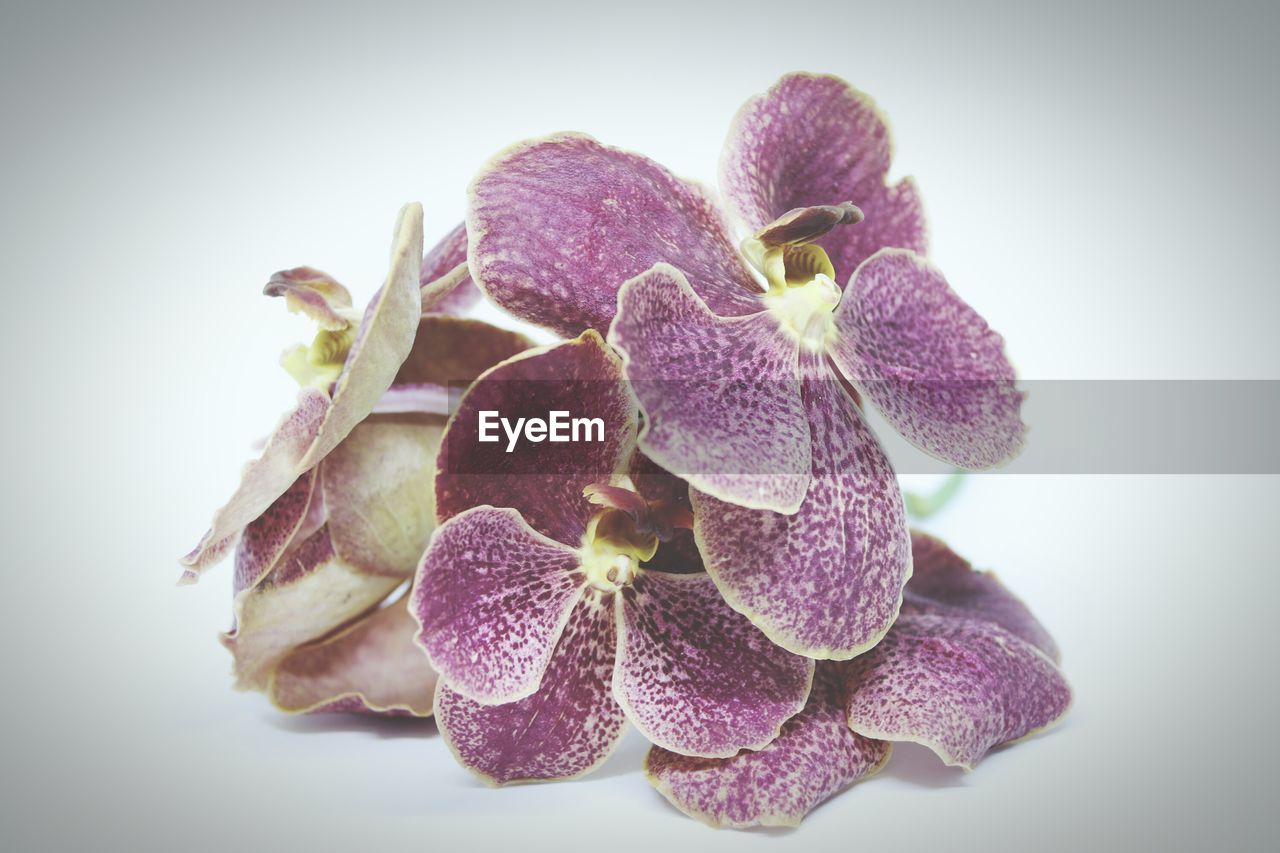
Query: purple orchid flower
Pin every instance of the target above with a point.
(965, 668)
(314, 557)
(553, 609)
(753, 392)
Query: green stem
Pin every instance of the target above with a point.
(924, 506)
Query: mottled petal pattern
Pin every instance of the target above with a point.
(491, 597)
(382, 343)
(944, 584)
(310, 593)
(263, 481)
(314, 294)
(929, 362)
(543, 480)
(268, 537)
(558, 224)
(373, 661)
(566, 729)
(815, 140)
(827, 581)
(447, 261)
(707, 386)
(958, 686)
(697, 678)
(815, 757)
(379, 491)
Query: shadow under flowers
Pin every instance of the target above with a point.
(379, 726)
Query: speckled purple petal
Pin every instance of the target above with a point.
(827, 581)
(720, 394)
(373, 661)
(815, 757)
(453, 351)
(566, 729)
(558, 224)
(448, 258)
(697, 678)
(309, 593)
(945, 584)
(544, 481)
(958, 686)
(267, 538)
(815, 140)
(930, 364)
(492, 596)
(313, 293)
(379, 490)
(261, 482)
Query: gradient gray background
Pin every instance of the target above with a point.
(1102, 184)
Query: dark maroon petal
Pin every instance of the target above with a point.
(543, 480)
(944, 584)
(492, 596)
(815, 757)
(827, 581)
(929, 362)
(958, 686)
(566, 729)
(558, 224)
(697, 678)
(373, 661)
(448, 258)
(453, 351)
(309, 593)
(379, 493)
(678, 554)
(815, 140)
(706, 385)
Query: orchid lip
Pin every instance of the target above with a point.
(807, 312)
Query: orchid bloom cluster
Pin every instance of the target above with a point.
(728, 568)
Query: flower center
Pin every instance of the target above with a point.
(806, 311)
(314, 294)
(625, 533)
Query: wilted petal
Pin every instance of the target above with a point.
(944, 584)
(267, 538)
(382, 343)
(958, 686)
(313, 293)
(373, 661)
(558, 224)
(447, 287)
(929, 362)
(815, 140)
(379, 491)
(815, 757)
(827, 581)
(544, 481)
(697, 678)
(306, 596)
(707, 384)
(567, 728)
(492, 596)
(453, 351)
(263, 481)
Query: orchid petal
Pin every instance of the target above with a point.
(447, 287)
(558, 224)
(453, 351)
(945, 584)
(697, 678)
(815, 140)
(382, 343)
(491, 597)
(957, 686)
(267, 538)
(815, 757)
(544, 481)
(261, 482)
(373, 661)
(379, 492)
(308, 594)
(566, 729)
(929, 362)
(313, 293)
(705, 384)
(827, 581)
(679, 554)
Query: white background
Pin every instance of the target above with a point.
(1101, 184)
